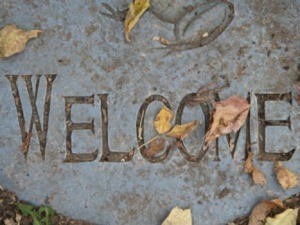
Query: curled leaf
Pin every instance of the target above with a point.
(229, 115)
(285, 177)
(135, 11)
(156, 146)
(288, 217)
(257, 176)
(163, 120)
(13, 40)
(181, 131)
(179, 217)
(260, 211)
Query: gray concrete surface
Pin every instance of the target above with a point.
(258, 53)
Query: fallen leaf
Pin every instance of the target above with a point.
(285, 177)
(161, 40)
(181, 131)
(162, 124)
(18, 218)
(163, 120)
(135, 11)
(179, 217)
(249, 163)
(288, 217)
(13, 40)
(9, 222)
(229, 115)
(260, 211)
(231, 145)
(257, 176)
(156, 146)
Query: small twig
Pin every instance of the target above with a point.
(148, 141)
(140, 125)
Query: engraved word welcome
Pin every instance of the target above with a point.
(112, 156)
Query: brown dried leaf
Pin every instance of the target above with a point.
(135, 11)
(257, 176)
(229, 115)
(260, 211)
(231, 145)
(156, 146)
(249, 163)
(285, 177)
(181, 131)
(13, 40)
(163, 120)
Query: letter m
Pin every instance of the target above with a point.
(35, 119)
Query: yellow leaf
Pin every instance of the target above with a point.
(13, 40)
(135, 11)
(285, 177)
(179, 217)
(181, 131)
(163, 120)
(288, 217)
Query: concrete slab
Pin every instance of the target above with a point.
(258, 53)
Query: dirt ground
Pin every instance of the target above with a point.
(10, 213)
(291, 202)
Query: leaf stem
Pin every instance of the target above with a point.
(138, 147)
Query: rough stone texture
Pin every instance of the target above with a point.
(258, 52)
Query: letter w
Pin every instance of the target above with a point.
(35, 119)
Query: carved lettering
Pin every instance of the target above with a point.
(107, 155)
(263, 123)
(35, 119)
(115, 156)
(140, 127)
(179, 143)
(235, 137)
(71, 126)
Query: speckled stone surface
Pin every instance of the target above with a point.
(257, 53)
